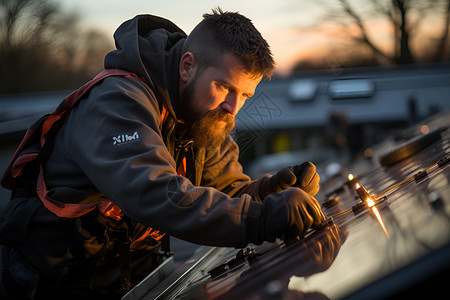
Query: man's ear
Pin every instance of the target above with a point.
(187, 66)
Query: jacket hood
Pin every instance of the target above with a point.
(150, 47)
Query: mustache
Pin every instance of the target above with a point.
(208, 133)
(217, 115)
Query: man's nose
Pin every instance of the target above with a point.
(231, 104)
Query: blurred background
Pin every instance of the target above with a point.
(348, 72)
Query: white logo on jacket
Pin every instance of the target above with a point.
(125, 138)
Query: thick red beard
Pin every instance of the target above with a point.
(211, 130)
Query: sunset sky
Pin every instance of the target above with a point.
(290, 26)
(276, 20)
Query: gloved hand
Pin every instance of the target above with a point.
(290, 212)
(303, 176)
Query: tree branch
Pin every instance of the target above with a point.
(405, 55)
(364, 39)
(440, 50)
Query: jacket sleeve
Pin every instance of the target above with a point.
(116, 141)
(223, 171)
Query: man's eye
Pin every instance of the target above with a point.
(223, 87)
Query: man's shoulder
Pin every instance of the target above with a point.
(125, 89)
(117, 96)
(120, 83)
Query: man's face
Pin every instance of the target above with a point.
(211, 99)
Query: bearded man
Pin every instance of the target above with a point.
(141, 152)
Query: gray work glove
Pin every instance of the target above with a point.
(303, 176)
(290, 212)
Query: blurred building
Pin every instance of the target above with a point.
(323, 115)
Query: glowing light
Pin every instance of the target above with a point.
(368, 153)
(424, 129)
(350, 176)
(370, 203)
(377, 214)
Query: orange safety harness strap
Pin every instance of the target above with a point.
(41, 131)
(54, 121)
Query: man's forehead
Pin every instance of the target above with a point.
(230, 70)
(231, 62)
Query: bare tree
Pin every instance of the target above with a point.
(406, 18)
(40, 47)
(443, 41)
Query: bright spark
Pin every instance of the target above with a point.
(377, 214)
(350, 176)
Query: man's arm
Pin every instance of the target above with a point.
(224, 172)
(116, 141)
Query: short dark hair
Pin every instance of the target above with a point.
(229, 32)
